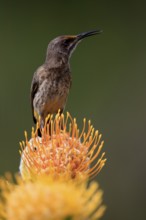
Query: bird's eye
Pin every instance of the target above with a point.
(66, 42)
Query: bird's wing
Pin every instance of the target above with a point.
(34, 89)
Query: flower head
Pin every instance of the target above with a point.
(45, 199)
(62, 150)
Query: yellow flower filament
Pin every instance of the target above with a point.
(45, 199)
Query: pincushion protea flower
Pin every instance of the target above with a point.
(48, 199)
(62, 150)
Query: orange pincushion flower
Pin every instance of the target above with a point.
(62, 150)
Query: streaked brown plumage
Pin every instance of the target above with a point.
(52, 81)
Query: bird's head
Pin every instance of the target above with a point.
(65, 45)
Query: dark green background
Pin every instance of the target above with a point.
(109, 74)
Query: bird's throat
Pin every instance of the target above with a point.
(56, 61)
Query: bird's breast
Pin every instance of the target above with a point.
(52, 94)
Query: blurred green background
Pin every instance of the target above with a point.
(109, 77)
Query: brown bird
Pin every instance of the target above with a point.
(52, 81)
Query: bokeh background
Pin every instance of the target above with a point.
(109, 86)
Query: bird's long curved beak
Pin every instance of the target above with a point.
(87, 34)
(78, 38)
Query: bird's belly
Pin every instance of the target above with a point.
(51, 97)
(46, 103)
(53, 105)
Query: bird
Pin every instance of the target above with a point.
(52, 81)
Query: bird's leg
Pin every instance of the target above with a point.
(60, 111)
(44, 121)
